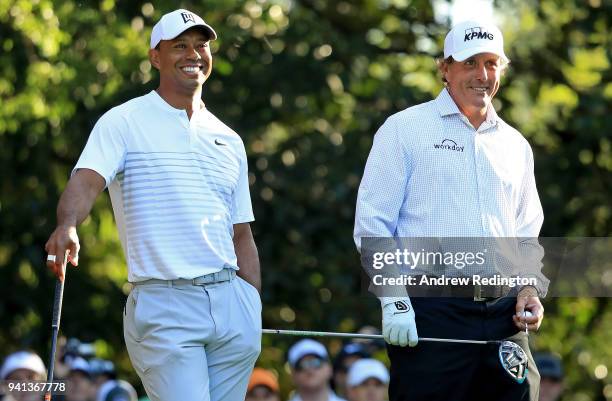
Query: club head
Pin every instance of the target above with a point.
(514, 360)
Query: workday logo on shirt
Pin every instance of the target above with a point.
(449, 144)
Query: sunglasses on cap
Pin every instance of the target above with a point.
(309, 363)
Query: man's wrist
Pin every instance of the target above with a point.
(67, 222)
(528, 291)
(388, 300)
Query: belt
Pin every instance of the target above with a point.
(212, 278)
(478, 292)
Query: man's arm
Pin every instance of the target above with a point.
(379, 200)
(529, 221)
(246, 252)
(73, 207)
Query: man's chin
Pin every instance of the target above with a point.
(193, 83)
(481, 103)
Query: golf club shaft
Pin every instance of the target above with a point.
(305, 333)
(55, 325)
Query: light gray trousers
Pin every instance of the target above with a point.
(194, 342)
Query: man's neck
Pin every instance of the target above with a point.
(475, 116)
(188, 101)
(321, 394)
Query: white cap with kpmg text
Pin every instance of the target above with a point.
(472, 37)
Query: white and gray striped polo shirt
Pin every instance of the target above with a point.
(177, 186)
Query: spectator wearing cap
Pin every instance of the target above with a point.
(367, 380)
(551, 376)
(101, 371)
(116, 390)
(311, 372)
(23, 366)
(349, 353)
(370, 345)
(107, 386)
(79, 383)
(263, 386)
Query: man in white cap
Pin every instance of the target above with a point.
(79, 383)
(367, 380)
(452, 167)
(311, 372)
(178, 182)
(23, 366)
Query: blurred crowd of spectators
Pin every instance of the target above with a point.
(86, 378)
(352, 375)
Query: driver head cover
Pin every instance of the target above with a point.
(514, 360)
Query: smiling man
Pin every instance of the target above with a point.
(452, 167)
(178, 182)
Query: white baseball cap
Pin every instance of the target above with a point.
(80, 364)
(22, 360)
(306, 347)
(472, 37)
(364, 369)
(116, 390)
(173, 24)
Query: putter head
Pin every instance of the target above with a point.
(514, 360)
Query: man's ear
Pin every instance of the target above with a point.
(154, 58)
(443, 69)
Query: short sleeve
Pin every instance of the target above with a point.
(242, 210)
(106, 147)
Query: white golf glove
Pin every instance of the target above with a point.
(399, 326)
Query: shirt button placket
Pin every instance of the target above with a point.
(481, 183)
(186, 125)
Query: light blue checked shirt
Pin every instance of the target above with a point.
(430, 173)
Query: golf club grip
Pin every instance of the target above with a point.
(57, 303)
(52, 357)
(55, 324)
(300, 333)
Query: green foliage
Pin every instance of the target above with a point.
(306, 84)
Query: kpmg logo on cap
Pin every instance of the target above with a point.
(477, 32)
(188, 17)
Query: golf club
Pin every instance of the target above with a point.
(511, 356)
(55, 325)
(306, 333)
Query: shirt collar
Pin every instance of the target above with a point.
(159, 101)
(447, 106)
